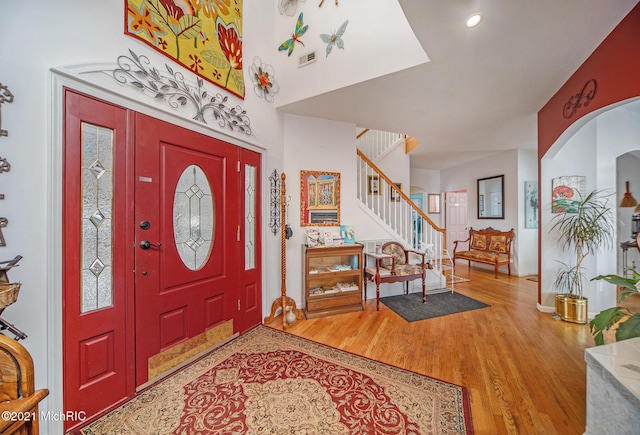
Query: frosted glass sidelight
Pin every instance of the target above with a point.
(96, 290)
(249, 217)
(193, 217)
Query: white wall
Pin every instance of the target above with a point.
(319, 145)
(324, 145)
(77, 38)
(527, 237)
(591, 151)
(88, 32)
(465, 177)
(428, 181)
(380, 26)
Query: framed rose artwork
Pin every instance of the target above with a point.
(566, 193)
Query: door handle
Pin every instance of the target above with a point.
(145, 244)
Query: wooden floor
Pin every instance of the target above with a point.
(525, 371)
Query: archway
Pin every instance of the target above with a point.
(592, 148)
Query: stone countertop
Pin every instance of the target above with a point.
(619, 364)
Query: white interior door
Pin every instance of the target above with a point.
(456, 217)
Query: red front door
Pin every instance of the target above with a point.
(188, 204)
(162, 249)
(97, 345)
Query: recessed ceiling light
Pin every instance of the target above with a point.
(474, 20)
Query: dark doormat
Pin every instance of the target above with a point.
(411, 308)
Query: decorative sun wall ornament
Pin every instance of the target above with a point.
(335, 38)
(134, 71)
(289, 44)
(264, 82)
(288, 7)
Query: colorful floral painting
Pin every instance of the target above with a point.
(566, 193)
(204, 36)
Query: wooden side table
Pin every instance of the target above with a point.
(625, 247)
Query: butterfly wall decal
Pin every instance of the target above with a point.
(289, 44)
(335, 38)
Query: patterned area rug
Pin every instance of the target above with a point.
(270, 382)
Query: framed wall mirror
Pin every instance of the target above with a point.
(434, 203)
(319, 198)
(491, 197)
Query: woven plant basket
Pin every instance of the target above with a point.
(8, 293)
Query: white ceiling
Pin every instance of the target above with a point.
(484, 86)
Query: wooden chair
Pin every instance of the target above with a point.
(393, 266)
(17, 393)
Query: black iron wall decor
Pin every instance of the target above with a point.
(5, 166)
(581, 99)
(5, 97)
(3, 224)
(137, 72)
(274, 214)
(278, 206)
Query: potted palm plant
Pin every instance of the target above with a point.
(627, 321)
(583, 228)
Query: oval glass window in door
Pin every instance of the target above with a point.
(193, 217)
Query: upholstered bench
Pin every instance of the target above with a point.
(486, 246)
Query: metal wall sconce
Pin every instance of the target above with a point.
(5, 97)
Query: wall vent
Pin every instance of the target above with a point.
(307, 59)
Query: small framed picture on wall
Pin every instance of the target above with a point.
(394, 195)
(374, 185)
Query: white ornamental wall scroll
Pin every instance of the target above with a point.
(172, 89)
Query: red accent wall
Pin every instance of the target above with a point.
(615, 66)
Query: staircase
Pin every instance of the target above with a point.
(396, 212)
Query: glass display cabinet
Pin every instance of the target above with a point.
(332, 279)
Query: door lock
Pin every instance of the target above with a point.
(145, 244)
(145, 225)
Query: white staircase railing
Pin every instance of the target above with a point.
(387, 203)
(373, 143)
